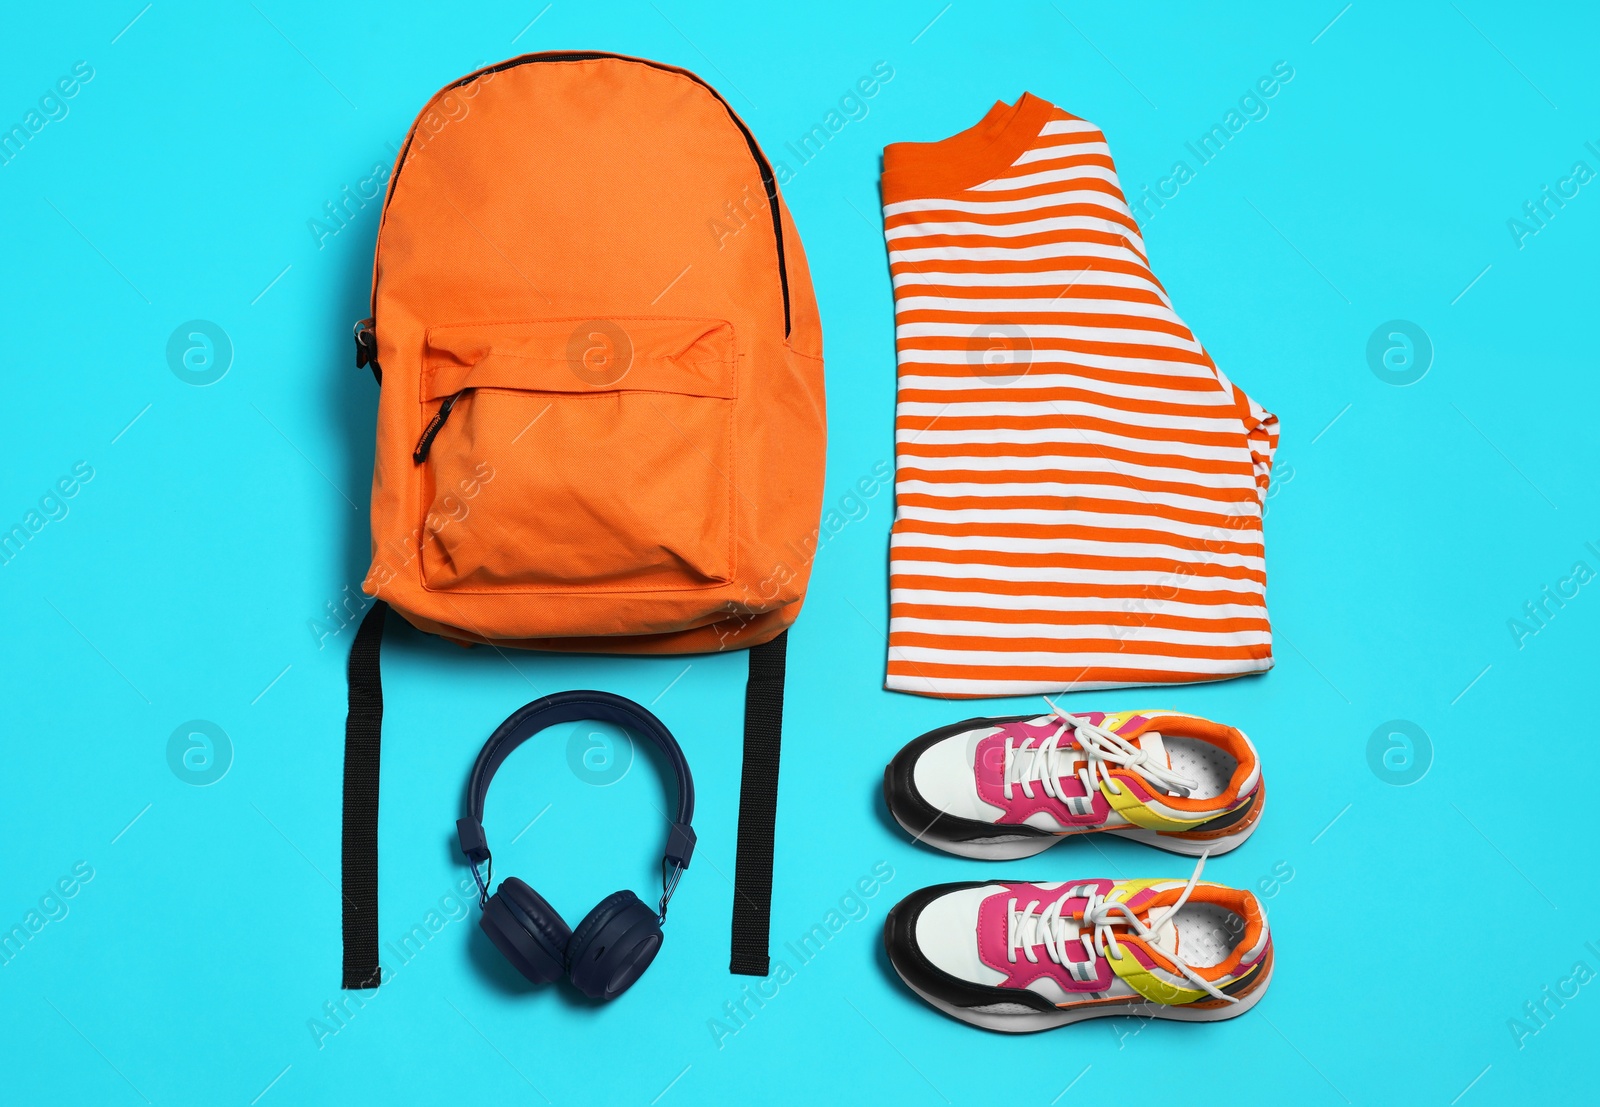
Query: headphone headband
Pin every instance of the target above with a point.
(566, 707)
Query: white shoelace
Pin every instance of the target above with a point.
(1030, 927)
(1047, 762)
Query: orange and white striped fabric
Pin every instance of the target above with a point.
(1079, 489)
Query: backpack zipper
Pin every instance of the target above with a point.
(769, 182)
(431, 431)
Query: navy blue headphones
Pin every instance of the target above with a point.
(616, 941)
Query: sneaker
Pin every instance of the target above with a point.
(1024, 957)
(1004, 788)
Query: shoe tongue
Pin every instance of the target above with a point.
(1166, 939)
(1163, 940)
(1152, 743)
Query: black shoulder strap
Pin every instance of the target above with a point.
(758, 807)
(363, 731)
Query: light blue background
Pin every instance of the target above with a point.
(1408, 526)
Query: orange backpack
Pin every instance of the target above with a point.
(601, 419)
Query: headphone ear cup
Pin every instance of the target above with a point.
(527, 931)
(613, 946)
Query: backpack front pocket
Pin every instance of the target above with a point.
(578, 454)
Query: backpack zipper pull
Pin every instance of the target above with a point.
(431, 431)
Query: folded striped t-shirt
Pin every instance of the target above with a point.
(1079, 488)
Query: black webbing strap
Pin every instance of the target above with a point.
(363, 731)
(758, 807)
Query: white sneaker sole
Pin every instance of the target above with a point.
(1019, 847)
(1030, 1022)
